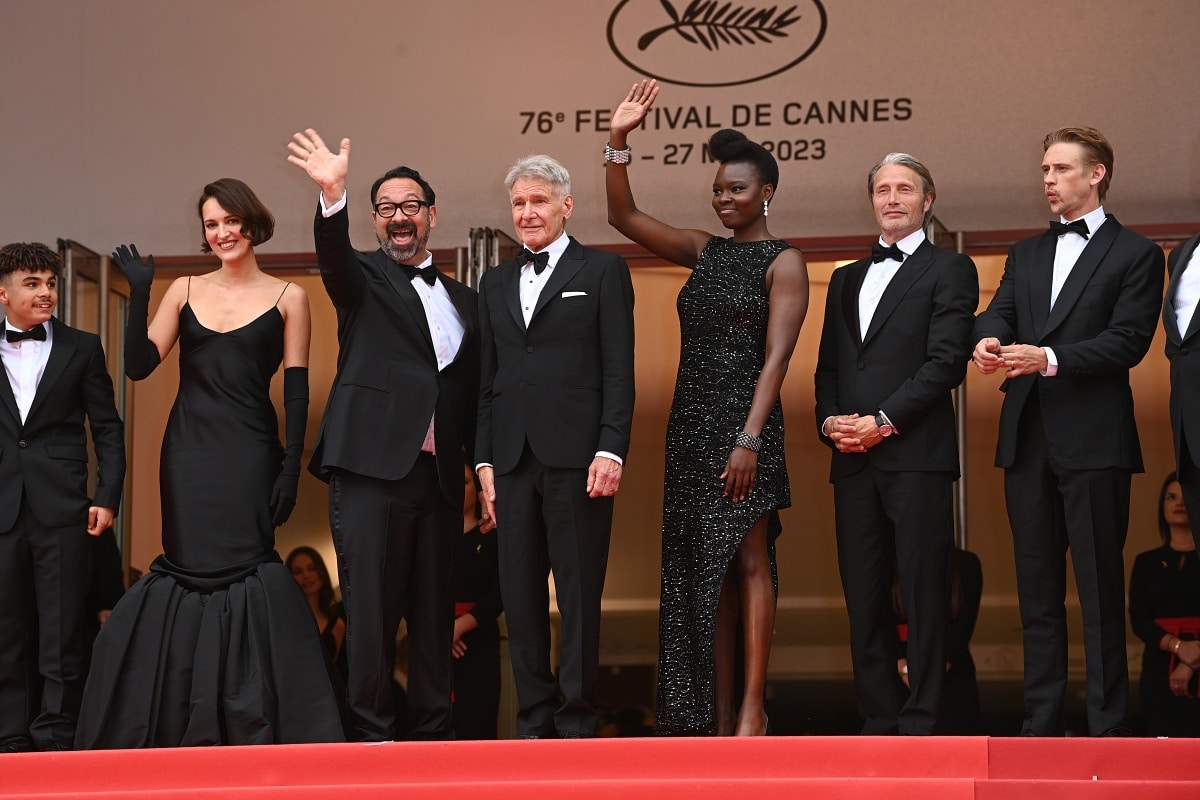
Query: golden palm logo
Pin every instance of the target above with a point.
(711, 23)
(690, 44)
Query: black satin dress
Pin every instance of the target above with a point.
(216, 644)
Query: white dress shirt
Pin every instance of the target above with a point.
(1066, 252)
(1187, 293)
(25, 363)
(532, 283)
(878, 276)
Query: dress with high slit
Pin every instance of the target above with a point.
(216, 644)
(723, 310)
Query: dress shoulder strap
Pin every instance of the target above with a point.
(285, 288)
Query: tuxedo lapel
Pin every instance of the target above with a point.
(568, 266)
(9, 399)
(914, 267)
(1081, 274)
(855, 274)
(61, 351)
(463, 302)
(1170, 325)
(407, 294)
(1042, 280)
(511, 289)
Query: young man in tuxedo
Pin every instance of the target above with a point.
(56, 387)
(1182, 324)
(893, 347)
(401, 410)
(555, 411)
(1076, 310)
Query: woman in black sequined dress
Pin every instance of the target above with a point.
(740, 313)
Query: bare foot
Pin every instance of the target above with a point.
(752, 724)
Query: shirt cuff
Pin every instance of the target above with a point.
(481, 465)
(333, 209)
(825, 424)
(1051, 363)
(612, 456)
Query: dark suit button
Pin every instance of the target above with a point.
(862, 365)
(521, 385)
(1183, 350)
(529, 349)
(22, 443)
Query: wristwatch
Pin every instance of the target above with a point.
(886, 429)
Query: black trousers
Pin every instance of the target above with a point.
(477, 683)
(44, 577)
(1050, 509)
(895, 523)
(1189, 481)
(396, 543)
(548, 524)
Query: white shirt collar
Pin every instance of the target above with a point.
(909, 244)
(555, 248)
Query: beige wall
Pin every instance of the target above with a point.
(116, 113)
(811, 633)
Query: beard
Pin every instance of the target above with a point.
(401, 254)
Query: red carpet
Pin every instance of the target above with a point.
(665, 769)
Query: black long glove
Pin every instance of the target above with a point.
(141, 354)
(295, 415)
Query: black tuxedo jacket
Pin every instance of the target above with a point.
(565, 383)
(1183, 351)
(1100, 327)
(914, 353)
(387, 384)
(47, 456)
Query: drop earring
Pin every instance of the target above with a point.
(766, 208)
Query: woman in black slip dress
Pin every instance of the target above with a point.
(216, 645)
(740, 313)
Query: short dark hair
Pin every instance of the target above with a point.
(730, 146)
(1096, 148)
(1164, 530)
(404, 172)
(258, 224)
(325, 593)
(28, 257)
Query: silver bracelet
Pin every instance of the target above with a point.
(751, 443)
(617, 156)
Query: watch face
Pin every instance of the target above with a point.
(886, 430)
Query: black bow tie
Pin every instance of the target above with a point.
(881, 253)
(539, 260)
(427, 274)
(1078, 226)
(37, 333)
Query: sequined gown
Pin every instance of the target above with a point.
(723, 311)
(216, 644)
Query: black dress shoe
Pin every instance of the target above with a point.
(1120, 730)
(51, 746)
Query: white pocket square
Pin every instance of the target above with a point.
(574, 294)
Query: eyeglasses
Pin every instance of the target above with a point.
(410, 208)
